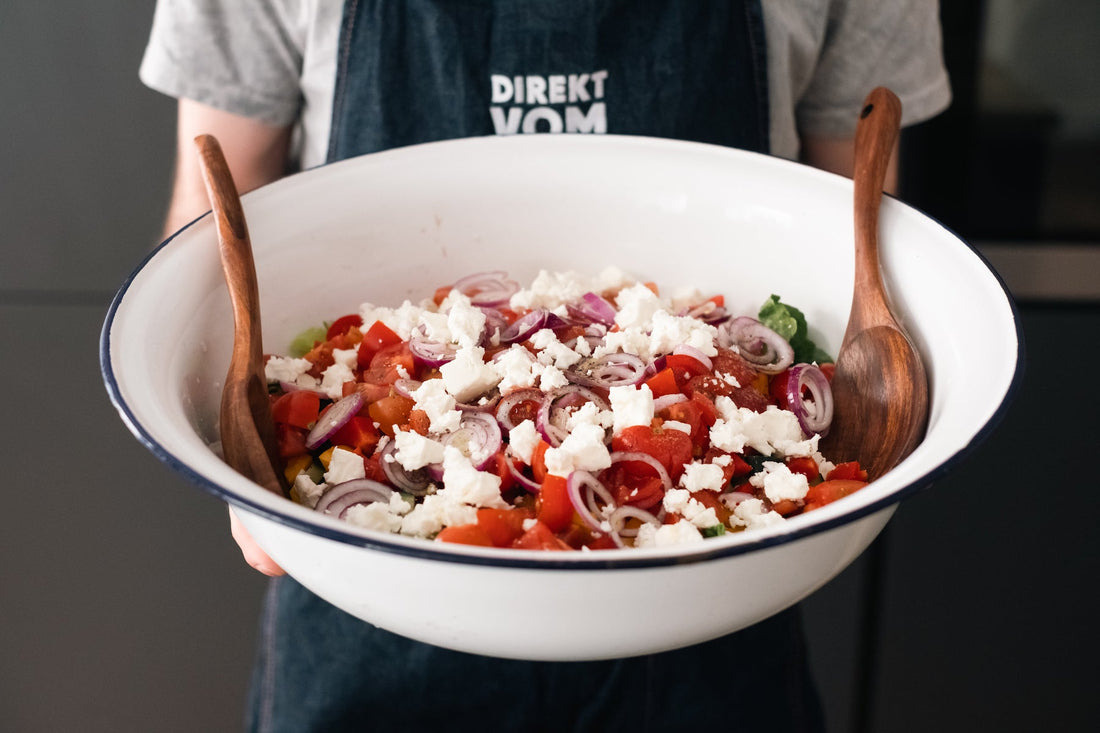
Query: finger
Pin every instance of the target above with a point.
(253, 555)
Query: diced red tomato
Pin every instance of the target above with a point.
(341, 325)
(641, 487)
(358, 433)
(290, 440)
(804, 465)
(671, 448)
(847, 471)
(299, 408)
(786, 507)
(504, 526)
(737, 465)
(540, 537)
(710, 500)
(553, 508)
(828, 369)
(698, 412)
(320, 356)
(525, 409)
(465, 534)
(373, 467)
(538, 461)
(663, 383)
(392, 410)
(685, 367)
(376, 338)
(827, 492)
(441, 294)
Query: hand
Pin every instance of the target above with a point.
(253, 555)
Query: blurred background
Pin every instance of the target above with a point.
(124, 605)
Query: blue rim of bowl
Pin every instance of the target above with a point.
(613, 559)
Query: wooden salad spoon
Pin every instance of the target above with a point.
(880, 389)
(247, 427)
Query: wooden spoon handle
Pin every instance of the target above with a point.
(236, 251)
(876, 136)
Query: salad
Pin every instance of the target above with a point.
(577, 413)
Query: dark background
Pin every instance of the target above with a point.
(124, 605)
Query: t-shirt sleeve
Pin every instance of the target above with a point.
(240, 56)
(871, 43)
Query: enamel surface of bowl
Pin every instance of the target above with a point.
(393, 226)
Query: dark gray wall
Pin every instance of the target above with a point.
(124, 605)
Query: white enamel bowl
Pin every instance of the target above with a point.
(395, 225)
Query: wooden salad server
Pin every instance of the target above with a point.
(880, 387)
(247, 427)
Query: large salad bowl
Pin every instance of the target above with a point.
(392, 226)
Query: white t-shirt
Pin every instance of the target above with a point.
(275, 61)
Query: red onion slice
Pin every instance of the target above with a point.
(563, 398)
(666, 401)
(512, 400)
(334, 418)
(708, 312)
(584, 482)
(618, 518)
(339, 498)
(759, 345)
(620, 456)
(610, 370)
(478, 437)
(532, 486)
(694, 353)
(524, 327)
(431, 353)
(417, 483)
(491, 288)
(596, 309)
(814, 411)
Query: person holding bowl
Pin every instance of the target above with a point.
(287, 85)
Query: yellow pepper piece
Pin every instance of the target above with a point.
(295, 466)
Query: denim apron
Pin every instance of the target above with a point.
(413, 71)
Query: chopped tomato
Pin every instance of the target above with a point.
(828, 369)
(737, 465)
(465, 534)
(525, 409)
(538, 460)
(639, 489)
(785, 507)
(392, 410)
(710, 500)
(320, 356)
(540, 537)
(504, 526)
(685, 367)
(847, 471)
(373, 467)
(671, 448)
(441, 294)
(553, 508)
(341, 325)
(663, 383)
(299, 408)
(804, 465)
(698, 412)
(290, 440)
(376, 338)
(419, 421)
(827, 492)
(358, 433)
(498, 465)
